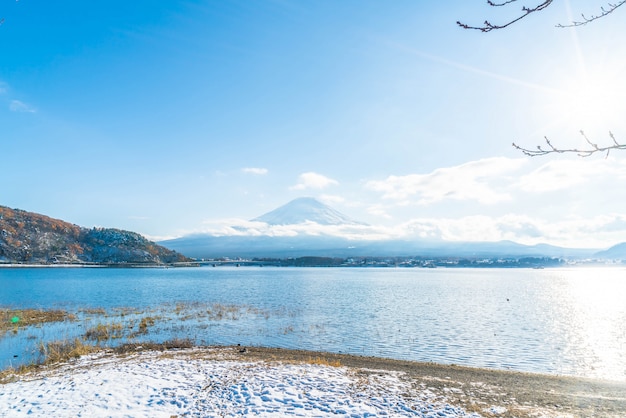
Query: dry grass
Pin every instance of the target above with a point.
(60, 351)
(51, 353)
(94, 311)
(321, 361)
(177, 343)
(146, 322)
(18, 318)
(123, 311)
(57, 352)
(104, 332)
(218, 311)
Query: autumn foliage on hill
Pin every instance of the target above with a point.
(27, 237)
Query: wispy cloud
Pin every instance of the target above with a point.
(378, 210)
(569, 174)
(593, 232)
(240, 227)
(565, 202)
(475, 70)
(476, 180)
(19, 106)
(311, 180)
(3, 88)
(255, 170)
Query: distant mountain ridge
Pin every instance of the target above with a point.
(209, 246)
(616, 252)
(306, 209)
(27, 237)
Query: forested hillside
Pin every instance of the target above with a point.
(27, 237)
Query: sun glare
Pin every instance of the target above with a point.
(597, 314)
(591, 100)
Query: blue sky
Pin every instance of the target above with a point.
(174, 117)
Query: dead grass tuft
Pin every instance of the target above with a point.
(176, 343)
(60, 351)
(146, 322)
(104, 332)
(94, 311)
(321, 361)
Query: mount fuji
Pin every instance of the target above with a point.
(305, 209)
(308, 227)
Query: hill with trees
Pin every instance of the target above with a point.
(31, 238)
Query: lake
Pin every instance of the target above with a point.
(557, 321)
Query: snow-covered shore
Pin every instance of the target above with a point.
(155, 384)
(215, 382)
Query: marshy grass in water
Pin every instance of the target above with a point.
(16, 319)
(185, 311)
(62, 351)
(117, 326)
(145, 323)
(93, 311)
(105, 332)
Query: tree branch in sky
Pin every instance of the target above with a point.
(582, 152)
(487, 26)
(604, 10)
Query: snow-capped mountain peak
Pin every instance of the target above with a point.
(305, 209)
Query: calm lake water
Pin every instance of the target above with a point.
(561, 321)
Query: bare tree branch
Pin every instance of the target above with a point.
(488, 26)
(500, 4)
(582, 152)
(603, 12)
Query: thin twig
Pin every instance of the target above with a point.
(603, 12)
(488, 26)
(582, 152)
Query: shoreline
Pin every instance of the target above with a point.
(486, 392)
(570, 393)
(97, 265)
(259, 264)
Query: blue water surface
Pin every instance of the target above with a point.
(562, 321)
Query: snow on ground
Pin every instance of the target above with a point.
(153, 384)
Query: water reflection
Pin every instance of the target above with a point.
(594, 307)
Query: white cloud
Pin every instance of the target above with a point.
(568, 174)
(477, 180)
(3, 88)
(18, 106)
(571, 202)
(512, 227)
(255, 170)
(378, 210)
(592, 232)
(311, 180)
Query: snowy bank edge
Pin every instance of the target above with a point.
(489, 392)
